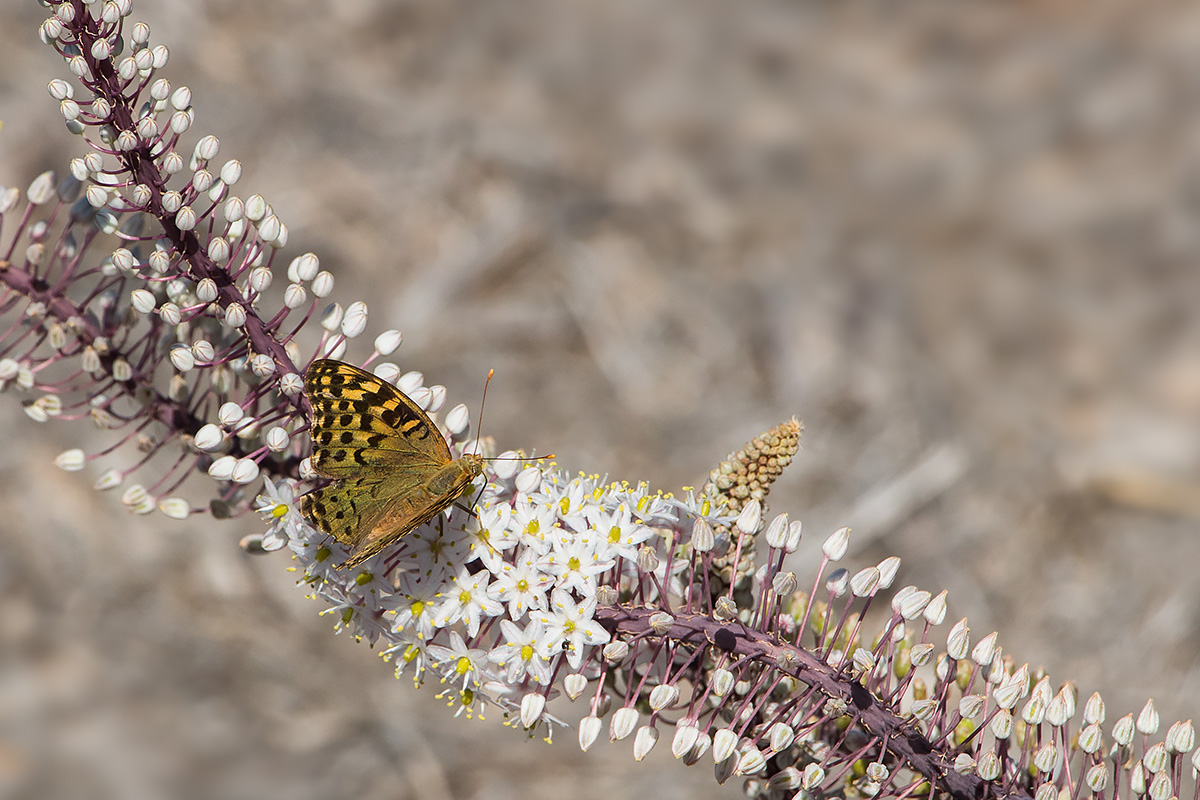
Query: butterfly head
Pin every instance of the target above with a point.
(472, 464)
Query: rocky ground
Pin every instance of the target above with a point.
(959, 240)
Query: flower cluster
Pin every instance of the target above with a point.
(140, 292)
(501, 603)
(604, 591)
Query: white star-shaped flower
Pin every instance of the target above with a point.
(570, 626)
(522, 652)
(468, 597)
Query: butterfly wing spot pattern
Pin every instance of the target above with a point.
(392, 466)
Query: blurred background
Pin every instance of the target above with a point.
(958, 240)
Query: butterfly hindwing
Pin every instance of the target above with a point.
(367, 515)
(405, 511)
(362, 422)
(347, 509)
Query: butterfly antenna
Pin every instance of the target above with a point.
(479, 429)
(482, 402)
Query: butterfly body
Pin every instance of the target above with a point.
(393, 468)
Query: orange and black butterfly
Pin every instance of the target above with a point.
(392, 466)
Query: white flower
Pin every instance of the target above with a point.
(415, 610)
(375, 587)
(478, 546)
(409, 650)
(523, 585)
(494, 525)
(620, 530)
(533, 522)
(522, 652)
(319, 553)
(575, 562)
(469, 598)
(277, 505)
(359, 615)
(569, 505)
(570, 626)
(459, 662)
(433, 551)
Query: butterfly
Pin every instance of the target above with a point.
(393, 468)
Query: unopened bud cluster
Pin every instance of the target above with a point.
(141, 288)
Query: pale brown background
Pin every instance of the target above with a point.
(959, 240)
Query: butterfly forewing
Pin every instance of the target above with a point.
(393, 468)
(361, 421)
